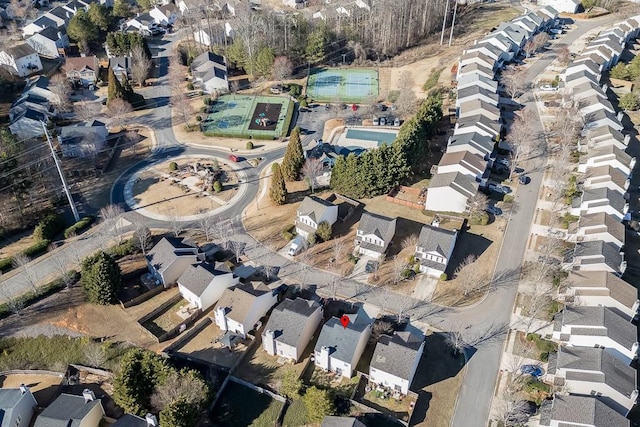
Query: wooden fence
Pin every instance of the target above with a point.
(391, 197)
(142, 297)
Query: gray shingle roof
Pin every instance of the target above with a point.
(611, 371)
(167, 250)
(332, 421)
(289, 318)
(618, 328)
(599, 251)
(436, 239)
(239, 300)
(381, 226)
(9, 397)
(197, 277)
(473, 67)
(129, 420)
(473, 162)
(605, 173)
(396, 355)
(66, 411)
(465, 184)
(484, 143)
(619, 290)
(615, 199)
(584, 410)
(341, 341)
(313, 207)
(603, 222)
(474, 91)
(19, 51)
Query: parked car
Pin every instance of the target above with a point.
(548, 88)
(524, 179)
(297, 245)
(504, 162)
(533, 370)
(397, 122)
(499, 188)
(493, 210)
(371, 267)
(376, 121)
(383, 121)
(234, 158)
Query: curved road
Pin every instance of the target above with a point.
(484, 325)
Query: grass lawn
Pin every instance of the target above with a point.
(240, 406)
(166, 320)
(296, 414)
(341, 386)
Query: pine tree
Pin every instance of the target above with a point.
(293, 157)
(140, 372)
(101, 278)
(278, 189)
(179, 413)
(115, 89)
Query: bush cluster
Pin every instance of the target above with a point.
(48, 227)
(79, 226)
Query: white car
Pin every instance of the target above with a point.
(548, 88)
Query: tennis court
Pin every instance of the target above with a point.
(248, 116)
(343, 85)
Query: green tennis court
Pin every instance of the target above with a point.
(343, 85)
(248, 116)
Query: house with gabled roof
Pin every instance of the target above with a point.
(473, 67)
(143, 22)
(611, 156)
(21, 60)
(475, 107)
(498, 56)
(595, 200)
(597, 226)
(474, 142)
(38, 25)
(169, 258)
(129, 420)
(607, 177)
(592, 56)
(477, 57)
(589, 66)
(82, 71)
(608, 42)
(605, 136)
(60, 16)
(594, 371)
(241, 307)
(395, 361)
(86, 139)
(602, 288)
(585, 90)
(164, 14)
(209, 72)
(606, 55)
(50, 42)
(464, 162)
(339, 347)
(331, 421)
(503, 43)
(17, 406)
(28, 124)
(434, 249)
(374, 234)
(72, 410)
(603, 117)
(514, 33)
(475, 92)
(121, 66)
(476, 79)
(598, 255)
(202, 284)
(290, 327)
(582, 326)
(588, 411)
(312, 211)
(480, 124)
(450, 192)
(580, 77)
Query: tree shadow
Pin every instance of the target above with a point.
(421, 407)
(467, 244)
(439, 362)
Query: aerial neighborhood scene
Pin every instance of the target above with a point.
(322, 213)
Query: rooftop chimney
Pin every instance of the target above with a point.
(88, 395)
(24, 389)
(152, 421)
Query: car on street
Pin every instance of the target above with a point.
(234, 158)
(524, 179)
(493, 210)
(504, 162)
(497, 188)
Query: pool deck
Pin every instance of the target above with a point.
(370, 137)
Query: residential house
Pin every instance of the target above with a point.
(608, 42)
(589, 66)
(592, 56)
(38, 25)
(50, 42)
(28, 124)
(605, 53)
(598, 255)
(477, 107)
(585, 90)
(603, 118)
(241, 307)
(476, 79)
(450, 192)
(211, 37)
(164, 15)
(83, 71)
(480, 124)
(169, 258)
(84, 139)
(581, 326)
(607, 177)
(590, 105)
(60, 16)
(473, 142)
(475, 92)
(566, 6)
(311, 212)
(16, 406)
(339, 347)
(71, 410)
(602, 288)
(464, 162)
(497, 55)
(142, 22)
(611, 156)
(332, 421)
(374, 234)
(605, 136)
(129, 420)
(578, 78)
(598, 226)
(209, 72)
(21, 60)
(395, 361)
(477, 57)
(587, 411)
(595, 200)
(30, 101)
(474, 68)
(513, 32)
(596, 372)
(121, 66)
(503, 43)
(434, 249)
(291, 325)
(202, 284)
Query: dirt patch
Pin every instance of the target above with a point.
(14, 245)
(205, 346)
(44, 387)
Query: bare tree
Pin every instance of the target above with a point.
(529, 48)
(222, 231)
(237, 248)
(282, 68)
(521, 136)
(86, 111)
(540, 40)
(337, 253)
(112, 222)
(178, 386)
(410, 242)
(332, 286)
(564, 54)
(21, 261)
(118, 111)
(469, 276)
(207, 225)
(95, 355)
(61, 87)
(537, 303)
(405, 303)
(398, 268)
(175, 224)
(304, 262)
(513, 78)
(142, 238)
(61, 263)
(311, 170)
(14, 303)
(510, 408)
(407, 102)
(454, 338)
(478, 203)
(141, 64)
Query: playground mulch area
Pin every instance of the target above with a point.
(248, 116)
(344, 85)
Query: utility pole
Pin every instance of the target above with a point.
(453, 22)
(444, 22)
(65, 187)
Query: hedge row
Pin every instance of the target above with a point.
(32, 251)
(288, 118)
(48, 227)
(238, 135)
(79, 226)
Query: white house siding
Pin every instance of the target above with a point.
(586, 388)
(369, 253)
(93, 418)
(21, 65)
(216, 85)
(202, 37)
(43, 45)
(174, 270)
(189, 296)
(621, 352)
(214, 291)
(261, 305)
(380, 377)
(445, 199)
(308, 331)
(21, 414)
(605, 301)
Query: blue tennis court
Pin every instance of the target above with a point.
(346, 85)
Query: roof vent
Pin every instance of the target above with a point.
(151, 419)
(88, 395)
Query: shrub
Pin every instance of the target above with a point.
(304, 103)
(629, 102)
(206, 100)
(6, 264)
(432, 81)
(123, 249)
(443, 277)
(324, 231)
(79, 226)
(508, 199)
(189, 86)
(289, 232)
(408, 273)
(173, 166)
(294, 89)
(544, 357)
(249, 145)
(311, 239)
(352, 258)
(48, 227)
(37, 248)
(198, 118)
(203, 109)
(217, 187)
(479, 218)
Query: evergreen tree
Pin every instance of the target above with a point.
(319, 404)
(278, 189)
(264, 61)
(316, 44)
(101, 278)
(82, 30)
(121, 9)
(140, 372)
(293, 157)
(115, 89)
(179, 414)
